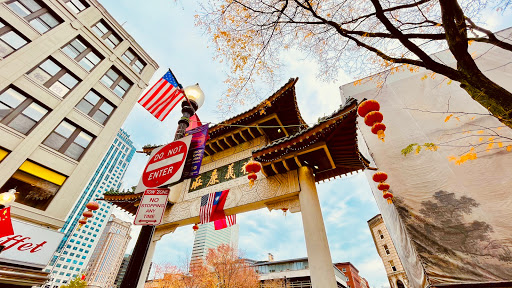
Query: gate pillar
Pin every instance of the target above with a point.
(157, 235)
(319, 255)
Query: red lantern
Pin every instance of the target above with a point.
(252, 167)
(388, 196)
(93, 206)
(368, 106)
(195, 227)
(383, 186)
(380, 177)
(87, 214)
(82, 221)
(379, 128)
(373, 117)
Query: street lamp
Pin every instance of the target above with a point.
(195, 95)
(194, 100)
(7, 198)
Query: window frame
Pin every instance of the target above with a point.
(71, 139)
(85, 3)
(110, 31)
(83, 54)
(97, 106)
(136, 58)
(33, 15)
(386, 249)
(55, 78)
(116, 82)
(8, 28)
(19, 110)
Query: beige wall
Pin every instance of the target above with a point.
(13, 70)
(377, 227)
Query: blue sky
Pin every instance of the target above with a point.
(166, 30)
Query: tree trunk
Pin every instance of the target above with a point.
(492, 96)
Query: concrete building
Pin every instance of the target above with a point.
(387, 252)
(207, 237)
(122, 270)
(76, 247)
(354, 279)
(293, 273)
(107, 257)
(69, 76)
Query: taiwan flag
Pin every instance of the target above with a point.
(212, 206)
(5, 222)
(228, 221)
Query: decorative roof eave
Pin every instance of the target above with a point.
(305, 136)
(214, 130)
(125, 201)
(344, 154)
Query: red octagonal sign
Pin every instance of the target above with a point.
(165, 164)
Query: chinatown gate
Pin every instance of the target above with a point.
(294, 157)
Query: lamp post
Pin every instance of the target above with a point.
(195, 99)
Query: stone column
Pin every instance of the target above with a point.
(320, 262)
(157, 235)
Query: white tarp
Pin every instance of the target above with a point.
(450, 223)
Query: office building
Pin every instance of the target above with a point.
(207, 238)
(354, 279)
(387, 252)
(291, 273)
(106, 259)
(76, 246)
(69, 76)
(122, 270)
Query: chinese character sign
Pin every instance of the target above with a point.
(218, 175)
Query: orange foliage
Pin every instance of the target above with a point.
(229, 270)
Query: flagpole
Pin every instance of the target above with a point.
(181, 88)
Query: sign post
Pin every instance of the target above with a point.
(152, 207)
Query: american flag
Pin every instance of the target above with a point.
(162, 97)
(212, 206)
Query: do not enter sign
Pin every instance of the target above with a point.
(165, 165)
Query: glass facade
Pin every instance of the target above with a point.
(75, 248)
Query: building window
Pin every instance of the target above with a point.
(79, 50)
(76, 6)
(386, 249)
(115, 81)
(19, 112)
(343, 270)
(54, 77)
(69, 140)
(107, 34)
(381, 235)
(133, 60)
(36, 14)
(35, 184)
(96, 107)
(10, 40)
(393, 268)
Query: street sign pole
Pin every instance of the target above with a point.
(140, 251)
